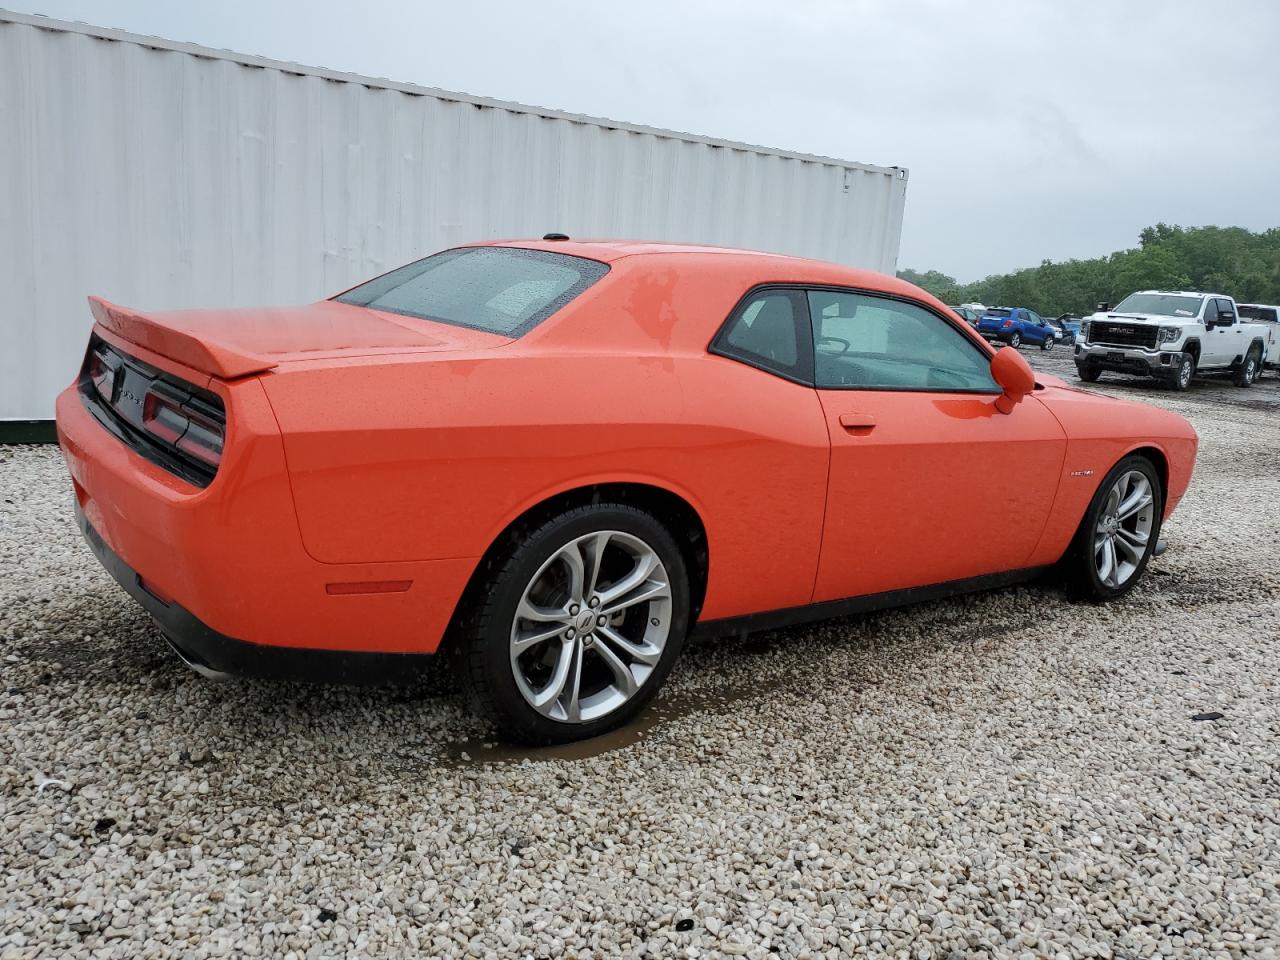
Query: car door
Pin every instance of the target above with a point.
(1221, 343)
(1037, 329)
(928, 482)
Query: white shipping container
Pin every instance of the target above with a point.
(166, 175)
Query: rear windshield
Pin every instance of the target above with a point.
(1161, 304)
(998, 312)
(1250, 312)
(502, 290)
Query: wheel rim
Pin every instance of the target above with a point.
(1123, 530)
(591, 626)
(1250, 370)
(1048, 344)
(1184, 375)
(1015, 340)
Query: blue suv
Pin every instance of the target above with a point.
(1016, 326)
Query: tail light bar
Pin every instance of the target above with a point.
(1008, 323)
(188, 423)
(175, 424)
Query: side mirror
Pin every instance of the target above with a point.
(1226, 317)
(1014, 376)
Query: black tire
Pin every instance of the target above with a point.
(1183, 373)
(1080, 565)
(485, 665)
(1088, 372)
(1048, 344)
(1247, 372)
(1015, 340)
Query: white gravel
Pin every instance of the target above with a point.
(1006, 774)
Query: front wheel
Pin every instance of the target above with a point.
(1184, 372)
(1015, 341)
(1048, 344)
(1119, 531)
(1088, 372)
(575, 626)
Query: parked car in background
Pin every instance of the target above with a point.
(1268, 314)
(970, 316)
(1071, 323)
(691, 438)
(1170, 336)
(1063, 333)
(1016, 326)
(978, 308)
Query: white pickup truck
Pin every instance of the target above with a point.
(1171, 336)
(1267, 314)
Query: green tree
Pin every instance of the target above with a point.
(1228, 260)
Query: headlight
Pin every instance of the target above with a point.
(1084, 331)
(1168, 334)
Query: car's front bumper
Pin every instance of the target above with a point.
(1135, 360)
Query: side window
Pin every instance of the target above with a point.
(873, 343)
(765, 332)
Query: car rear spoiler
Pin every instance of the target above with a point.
(184, 346)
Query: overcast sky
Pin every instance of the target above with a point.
(1032, 130)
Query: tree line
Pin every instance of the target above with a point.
(1229, 260)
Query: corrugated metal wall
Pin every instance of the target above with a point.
(164, 175)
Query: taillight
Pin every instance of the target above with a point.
(185, 422)
(102, 372)
(1008, 323)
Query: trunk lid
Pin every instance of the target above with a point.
(236, 343)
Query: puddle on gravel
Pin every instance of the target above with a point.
(664, 710)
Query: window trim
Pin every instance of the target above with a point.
(720, 346)
(982, 348)
(804, 337)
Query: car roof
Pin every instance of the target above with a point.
(608, 251)
(773, 267)
(1182, 293)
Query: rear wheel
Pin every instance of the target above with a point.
(577, 625)
(1118, 533)
(1048, 344)
(1015, 341)
(1247, 372)
(1088, 372)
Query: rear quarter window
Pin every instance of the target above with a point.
(503, 290)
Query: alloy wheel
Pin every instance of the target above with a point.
(1123, 531)
(591, 626)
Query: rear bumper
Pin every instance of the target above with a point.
(216, 655)
(230, 554)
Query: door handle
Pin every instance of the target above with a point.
(857, 421)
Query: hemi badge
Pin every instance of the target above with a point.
(1082, 473)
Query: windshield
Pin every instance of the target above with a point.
(503, 290)
(1161, 304)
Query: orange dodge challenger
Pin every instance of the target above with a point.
(555, 459)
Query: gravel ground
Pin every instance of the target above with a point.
(1005, 774)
